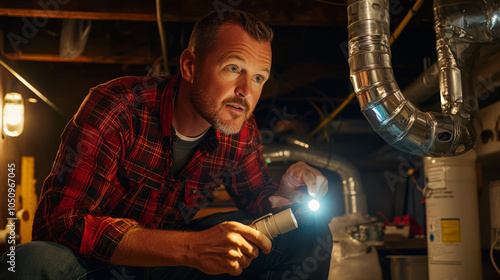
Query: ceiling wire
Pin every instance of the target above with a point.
(162, 36)
(320, 113)
(298, 87)
(7, 64)
(334, 113)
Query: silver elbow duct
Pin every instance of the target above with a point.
(424, 86)
(354, 196)
(393, 117)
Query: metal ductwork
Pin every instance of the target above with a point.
(424, 86)
(461, 28)
(355, 200)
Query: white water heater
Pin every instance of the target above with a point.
(453, 244)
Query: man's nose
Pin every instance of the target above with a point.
(243, 87)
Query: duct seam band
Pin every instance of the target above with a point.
(379, 99)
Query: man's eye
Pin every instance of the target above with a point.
(258, 79)
(232, 68)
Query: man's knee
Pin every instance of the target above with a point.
(312, 239)
(37, 258)
(32, 252)
(308, 248)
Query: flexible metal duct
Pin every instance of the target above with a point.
(486, 77)
(424, 86)
(460, 28)
(355, 200)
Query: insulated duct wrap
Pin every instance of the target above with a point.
(355, 200)
(392, 116)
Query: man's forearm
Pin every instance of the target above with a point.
(152, 247)
(225, 248)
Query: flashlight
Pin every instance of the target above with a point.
(273, 225)
(313, 204)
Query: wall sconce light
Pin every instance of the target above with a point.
(13, 114)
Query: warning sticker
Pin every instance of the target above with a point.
(434, 229)
(450, 230)
(436, 177)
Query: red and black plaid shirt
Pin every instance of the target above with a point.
(111, 172)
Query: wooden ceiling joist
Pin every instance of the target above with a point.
(278, 12)
(79, 59)
(76, 14)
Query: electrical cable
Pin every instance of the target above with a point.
(298, 87)
(152, 69)
(321, 116)
(162, 36)
(411, 173)
(381, 214)
(324, 95)
(274, 97)
(405, 20)
(394, 36)
(497, 232)
(334, 113)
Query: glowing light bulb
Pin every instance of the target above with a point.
(13, 114)
(313, 204)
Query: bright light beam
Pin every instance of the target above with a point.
(313, 204)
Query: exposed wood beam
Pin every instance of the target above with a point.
(99, 49)
(277, 12)
(79, 59)
(281, 19)
(76, 14)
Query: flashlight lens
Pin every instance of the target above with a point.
(313, 204)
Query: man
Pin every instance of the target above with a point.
(143, 154)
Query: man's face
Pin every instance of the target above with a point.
(226, 89)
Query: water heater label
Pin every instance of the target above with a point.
(436, 178)
(450, 229)
(434, 228)
(442, 250)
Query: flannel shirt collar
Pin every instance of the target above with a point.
(211, 141)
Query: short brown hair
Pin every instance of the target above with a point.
(204, 36)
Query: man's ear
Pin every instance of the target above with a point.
(187, 62)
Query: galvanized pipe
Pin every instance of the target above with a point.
(355, 200)
(424, 86)
(393, 117)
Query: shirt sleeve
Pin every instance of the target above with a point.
(82, 178)
(251, 185)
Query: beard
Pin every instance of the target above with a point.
(212, 112)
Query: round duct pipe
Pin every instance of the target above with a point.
(392, 116)
(355, 200)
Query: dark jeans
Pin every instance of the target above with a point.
(303, 253)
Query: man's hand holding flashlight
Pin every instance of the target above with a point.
(299, 184)
(228, 247)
